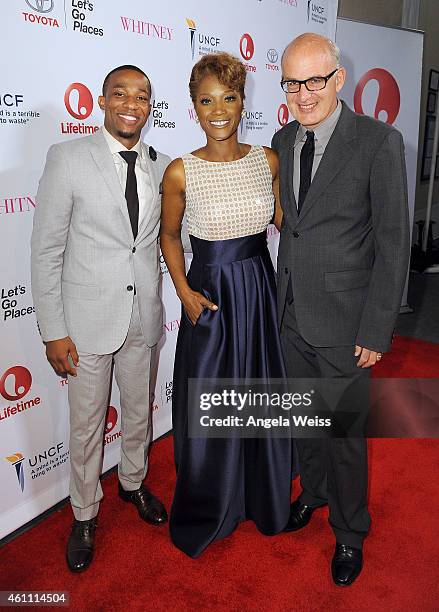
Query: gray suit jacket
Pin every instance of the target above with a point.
(347, 253)
(84, 257)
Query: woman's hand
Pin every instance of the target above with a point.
(194, 303)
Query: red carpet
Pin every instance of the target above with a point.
(137, 568)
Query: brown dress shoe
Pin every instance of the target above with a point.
(79, 552)
(149, 507)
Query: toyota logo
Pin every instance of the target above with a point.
(41, 6)
(272, 56)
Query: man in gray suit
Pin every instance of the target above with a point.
(342, 263)
(95, 284)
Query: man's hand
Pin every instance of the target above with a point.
(367, 357)
(58, 352)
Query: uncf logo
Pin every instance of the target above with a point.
(389, 98)
(111, 419)
(283, 114)
(246, 46)
(78, 100)
(15, 383)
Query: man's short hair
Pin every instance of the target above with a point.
(124, 67)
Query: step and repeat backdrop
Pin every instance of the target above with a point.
(55, 56)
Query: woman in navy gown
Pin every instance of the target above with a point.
(228, 323)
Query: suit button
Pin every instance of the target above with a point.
(133, 250)
(286, 270)
(130, 288)
(296, 234)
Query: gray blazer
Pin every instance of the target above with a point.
(347, 252)
(84, 258)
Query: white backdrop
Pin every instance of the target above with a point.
(55, 56)
(384, 80)
(48, 93)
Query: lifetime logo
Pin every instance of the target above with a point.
(110, 423)
(247, 50)
(388, 101)
(283, 114)
(78, 101)
(15, 384)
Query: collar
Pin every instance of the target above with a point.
(115, 146)
(324, 130)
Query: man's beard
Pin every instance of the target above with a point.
(122, 134)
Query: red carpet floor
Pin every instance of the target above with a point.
(137, 568)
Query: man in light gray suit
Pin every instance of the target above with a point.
(95, 284)
(342, 264)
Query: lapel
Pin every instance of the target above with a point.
(290, 170)
(104, 161)
(337, 153)
(151, 207)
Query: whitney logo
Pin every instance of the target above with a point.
(172, 326)
(192, 29)
(19, 204)
(389, 98)
(146, 28)
(17, 462)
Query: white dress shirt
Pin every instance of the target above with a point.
(144, 190)
(322, 135)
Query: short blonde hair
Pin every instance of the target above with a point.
(225, 67)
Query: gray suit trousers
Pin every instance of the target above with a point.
(89, 394)
(332, 471)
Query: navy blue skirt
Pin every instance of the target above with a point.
(221, 482)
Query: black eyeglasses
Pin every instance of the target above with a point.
(312, 84)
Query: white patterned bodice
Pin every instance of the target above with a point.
(228, 199)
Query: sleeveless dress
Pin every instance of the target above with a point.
(221, 482)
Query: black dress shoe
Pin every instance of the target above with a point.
(149, 507)
(346, 565)
(300, 516)
(79, 552)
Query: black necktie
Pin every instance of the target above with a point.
(131, 194)
(306, 161)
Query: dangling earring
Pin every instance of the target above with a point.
(243, 112)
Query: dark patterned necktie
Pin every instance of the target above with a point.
(306, 162)
(131, 194)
